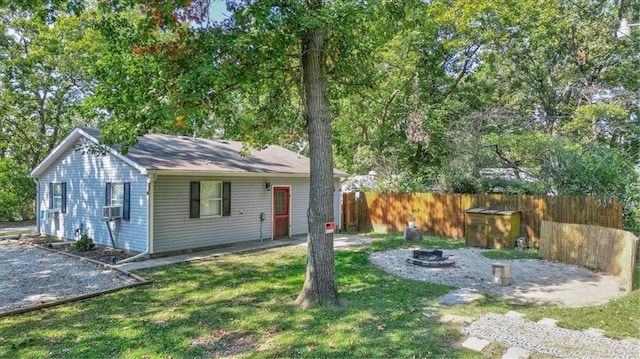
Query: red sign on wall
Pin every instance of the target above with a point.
(329, 227)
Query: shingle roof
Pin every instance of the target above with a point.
(156, 152)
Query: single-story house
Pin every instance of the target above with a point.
(171, 193)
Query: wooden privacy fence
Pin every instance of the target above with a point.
(612, 251)
(442, 214)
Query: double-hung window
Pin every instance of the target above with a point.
(58, 196)
(210, 199)
(118, 194)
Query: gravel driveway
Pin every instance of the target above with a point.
(32, 276)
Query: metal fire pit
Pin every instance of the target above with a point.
(430, 258)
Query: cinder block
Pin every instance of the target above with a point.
(502, 274)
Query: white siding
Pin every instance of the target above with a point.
(86, 176)
(337, 205)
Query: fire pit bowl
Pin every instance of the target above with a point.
(431, 258)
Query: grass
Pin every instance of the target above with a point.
(499, 254)
(30, 223)
(241, 305)
(619, 318)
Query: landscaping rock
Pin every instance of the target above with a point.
(514, 314)
(516, 353)
(548, 322)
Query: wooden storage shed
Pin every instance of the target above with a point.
(491, 228)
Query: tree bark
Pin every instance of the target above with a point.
(320, 284)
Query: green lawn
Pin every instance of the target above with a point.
(242, 304)
(241, 301)
(511, 254)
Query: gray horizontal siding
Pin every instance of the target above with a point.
(86, 176)
(300, 205)
(174, 230)
(337, 204)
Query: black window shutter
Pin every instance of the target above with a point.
(194, 208)
(64, 198)
(107, 195)
(126, 201)
(50, 195)
(226, 198)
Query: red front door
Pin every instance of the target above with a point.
(280, 212)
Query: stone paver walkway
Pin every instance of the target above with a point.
(544, 338)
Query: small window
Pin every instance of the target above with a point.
(58, 196)
(118, 194)
(210, 198)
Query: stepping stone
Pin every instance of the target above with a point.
(548, 322)
(632, 341)
(516, 353)
(460, 296)
(455, 319)
(594, 331)
(475, 343)
(514, 314)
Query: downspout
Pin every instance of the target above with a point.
(38, 218)
(150, 179)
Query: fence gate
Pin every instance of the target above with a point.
(350, 211)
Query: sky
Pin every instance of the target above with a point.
(218, 10)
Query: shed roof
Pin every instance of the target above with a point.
(178, 154)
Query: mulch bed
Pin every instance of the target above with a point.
(102, 254)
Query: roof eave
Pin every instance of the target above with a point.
(67, 142)
(202, 173)
(57, 151)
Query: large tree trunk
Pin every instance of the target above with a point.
(320, 283)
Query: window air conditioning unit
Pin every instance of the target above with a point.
(111, 212)
(53, 213)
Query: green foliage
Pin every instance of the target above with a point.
(85, 243)
(462, 184)
(43, 81)
(17, 191)
(395, 240)
(511, 186)
(511, 254)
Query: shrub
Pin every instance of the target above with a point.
(85, 243)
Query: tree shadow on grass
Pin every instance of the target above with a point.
(244, 301)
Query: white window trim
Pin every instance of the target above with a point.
(114, 200)
(57, 199)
